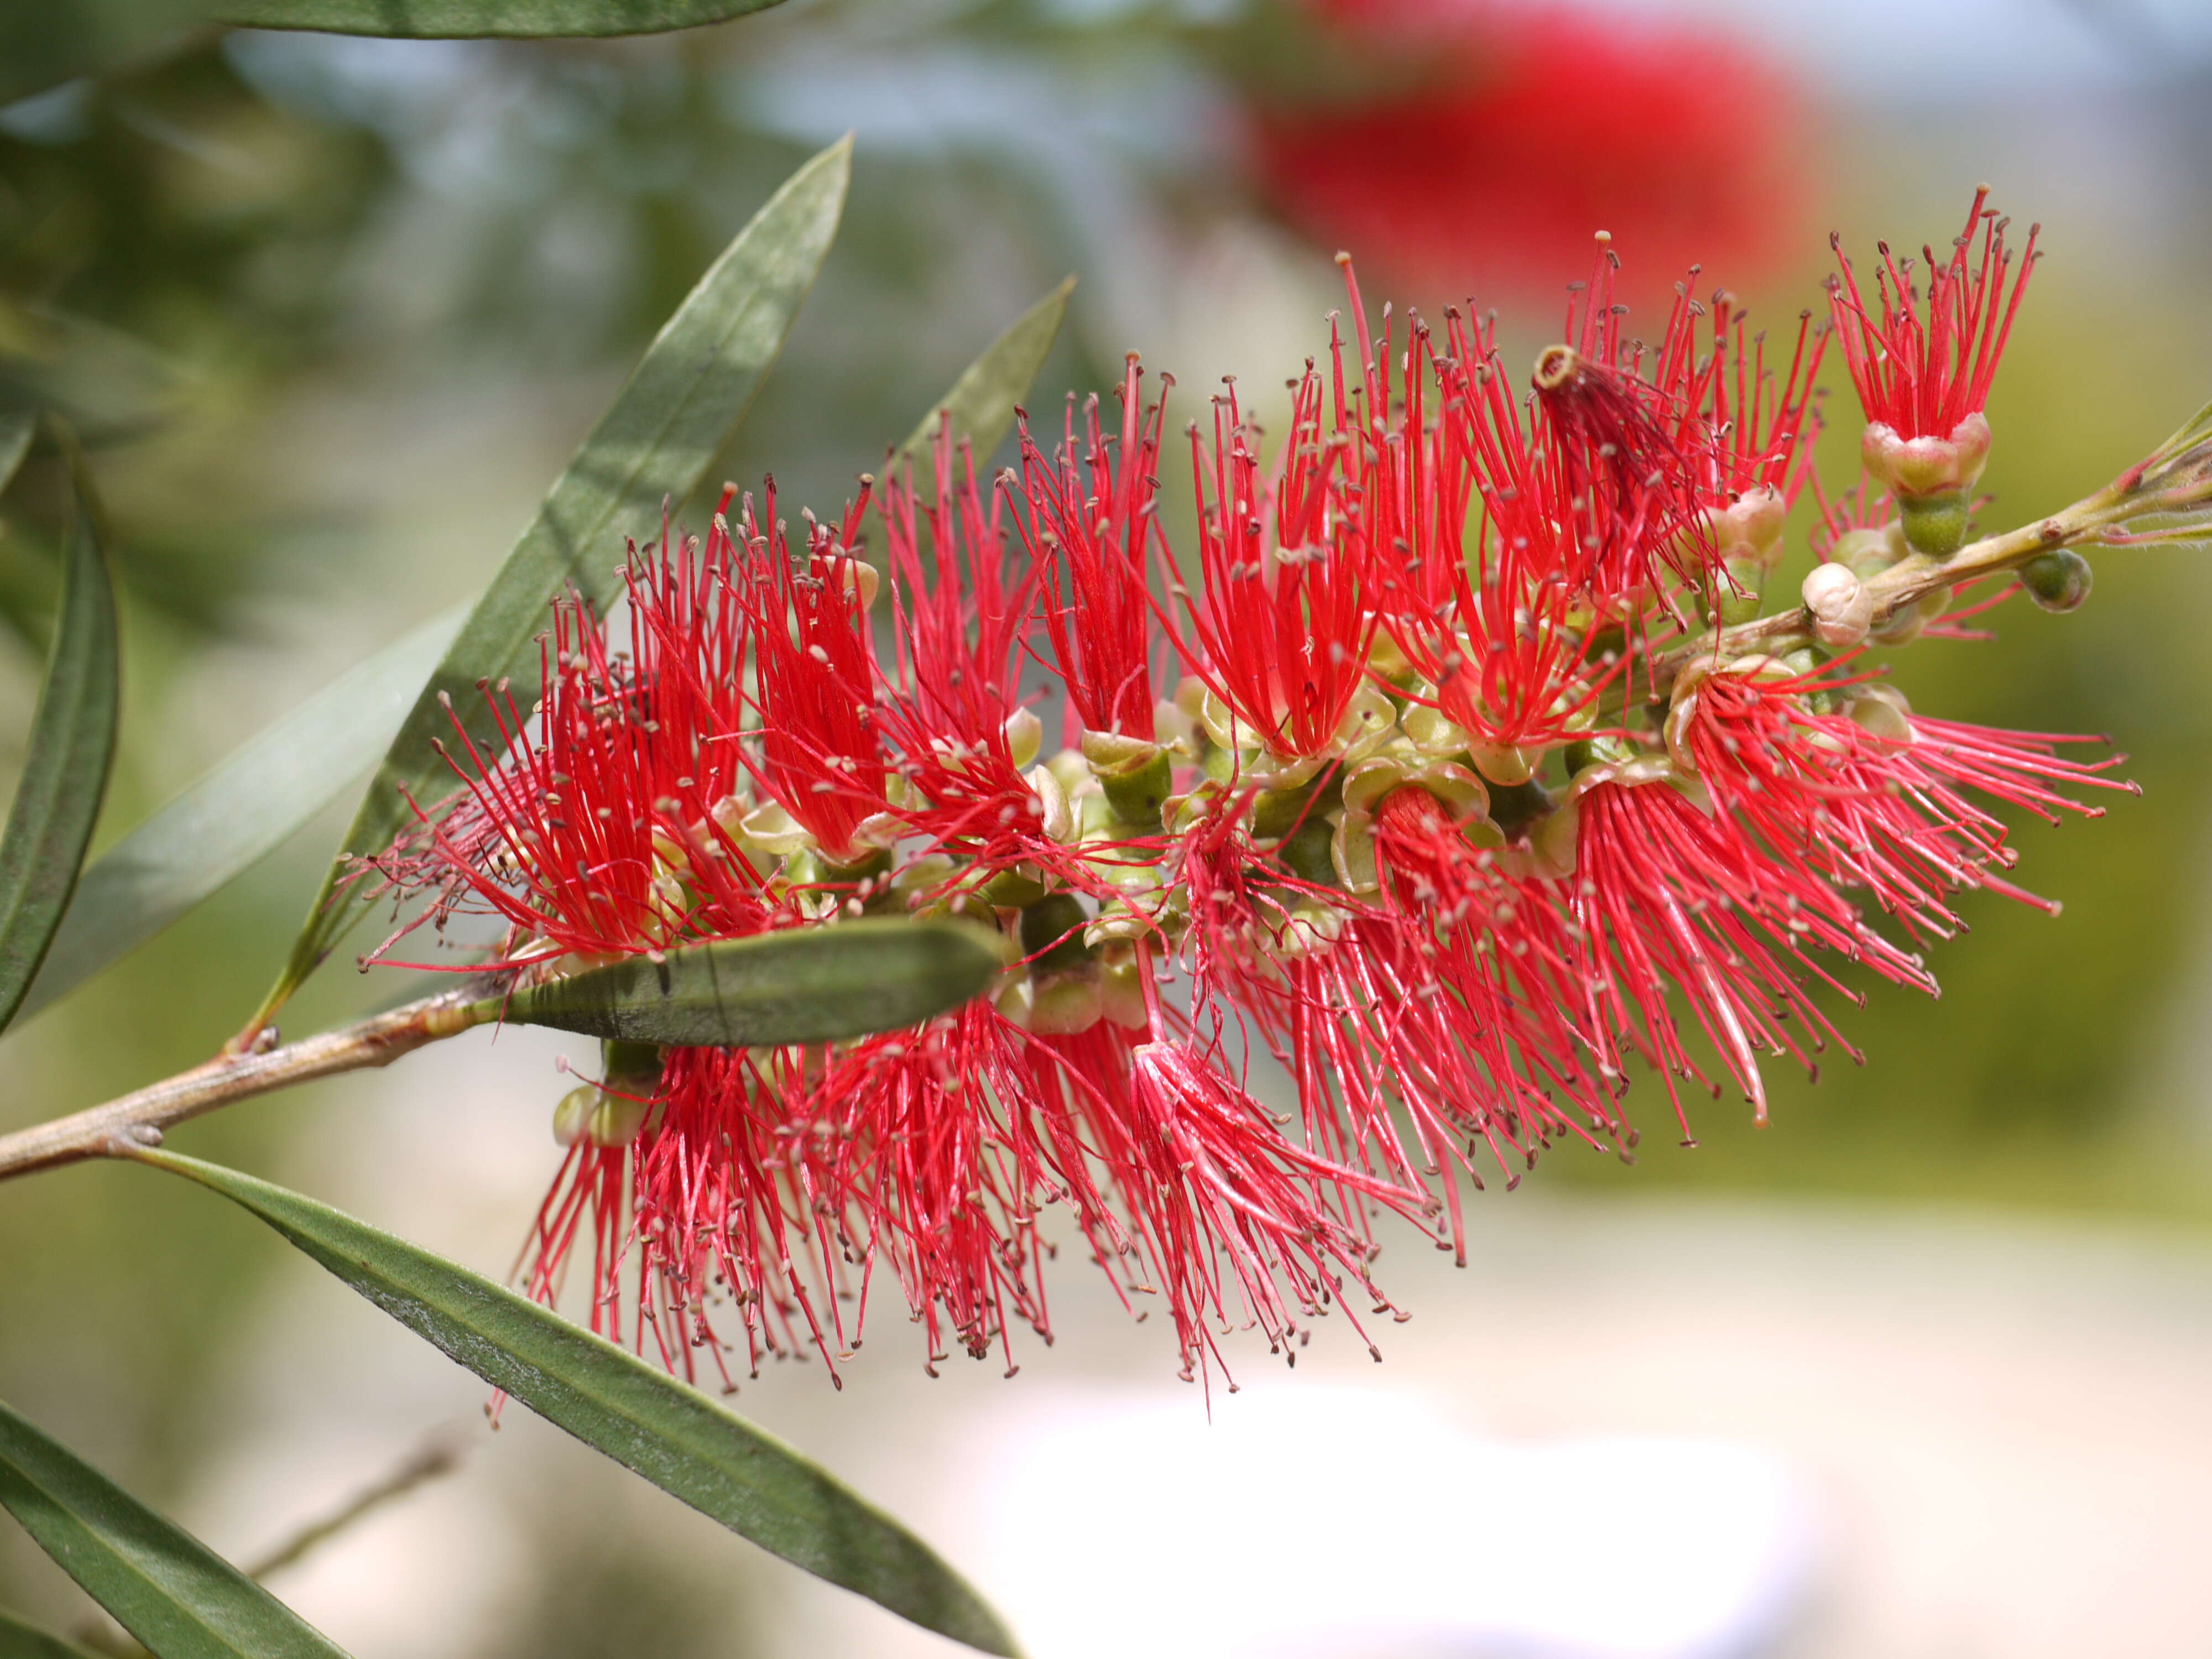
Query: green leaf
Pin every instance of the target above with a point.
(163, 1585)
(16, 428)
(650, 448)
(982, 401)
(238, 813)
(450, 18)
(20, 1641)
(806, 985)
(72, 741)
(44, 43)
(670, 1433)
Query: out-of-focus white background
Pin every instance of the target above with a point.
(1917, 1370)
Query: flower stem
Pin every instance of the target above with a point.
(2090, 521)
(139, 1118)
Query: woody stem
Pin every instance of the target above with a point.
(139, 1118)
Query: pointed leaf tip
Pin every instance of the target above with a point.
(985, 399)
(806, 985)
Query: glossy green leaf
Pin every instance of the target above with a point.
(808, 985)
(451, 19)
(643, 1419)
(20, 1641)
(982, 401)
(168, 1589)
(650, 448)
(72, 742)
(238, 813)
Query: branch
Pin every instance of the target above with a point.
(140, 1117)
(2176, 479)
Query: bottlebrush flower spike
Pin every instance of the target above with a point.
(1448, 818)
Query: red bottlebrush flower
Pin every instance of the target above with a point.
(1631, 488)
(1092, 528)
(1922, 377)
(962, 619)
(1665, 896)
(1455, 904)
(1471, 528)
(822, 754)
(1284, 619)
(571, 835)
(1490, 140)
(1924, 383)
(1747, 431)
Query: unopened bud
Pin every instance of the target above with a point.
(2059, 581)
(1842, 608)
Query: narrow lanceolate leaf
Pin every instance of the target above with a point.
(809, 985)
(16, 427)
(238, 813)
(20, 1641)
(650, 447)
(982, 401)
(420, 20)
(72, 741)
(668, 1432)
(176, 1595)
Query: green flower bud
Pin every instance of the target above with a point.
(2059, 580)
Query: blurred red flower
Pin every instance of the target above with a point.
(1478, 144)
